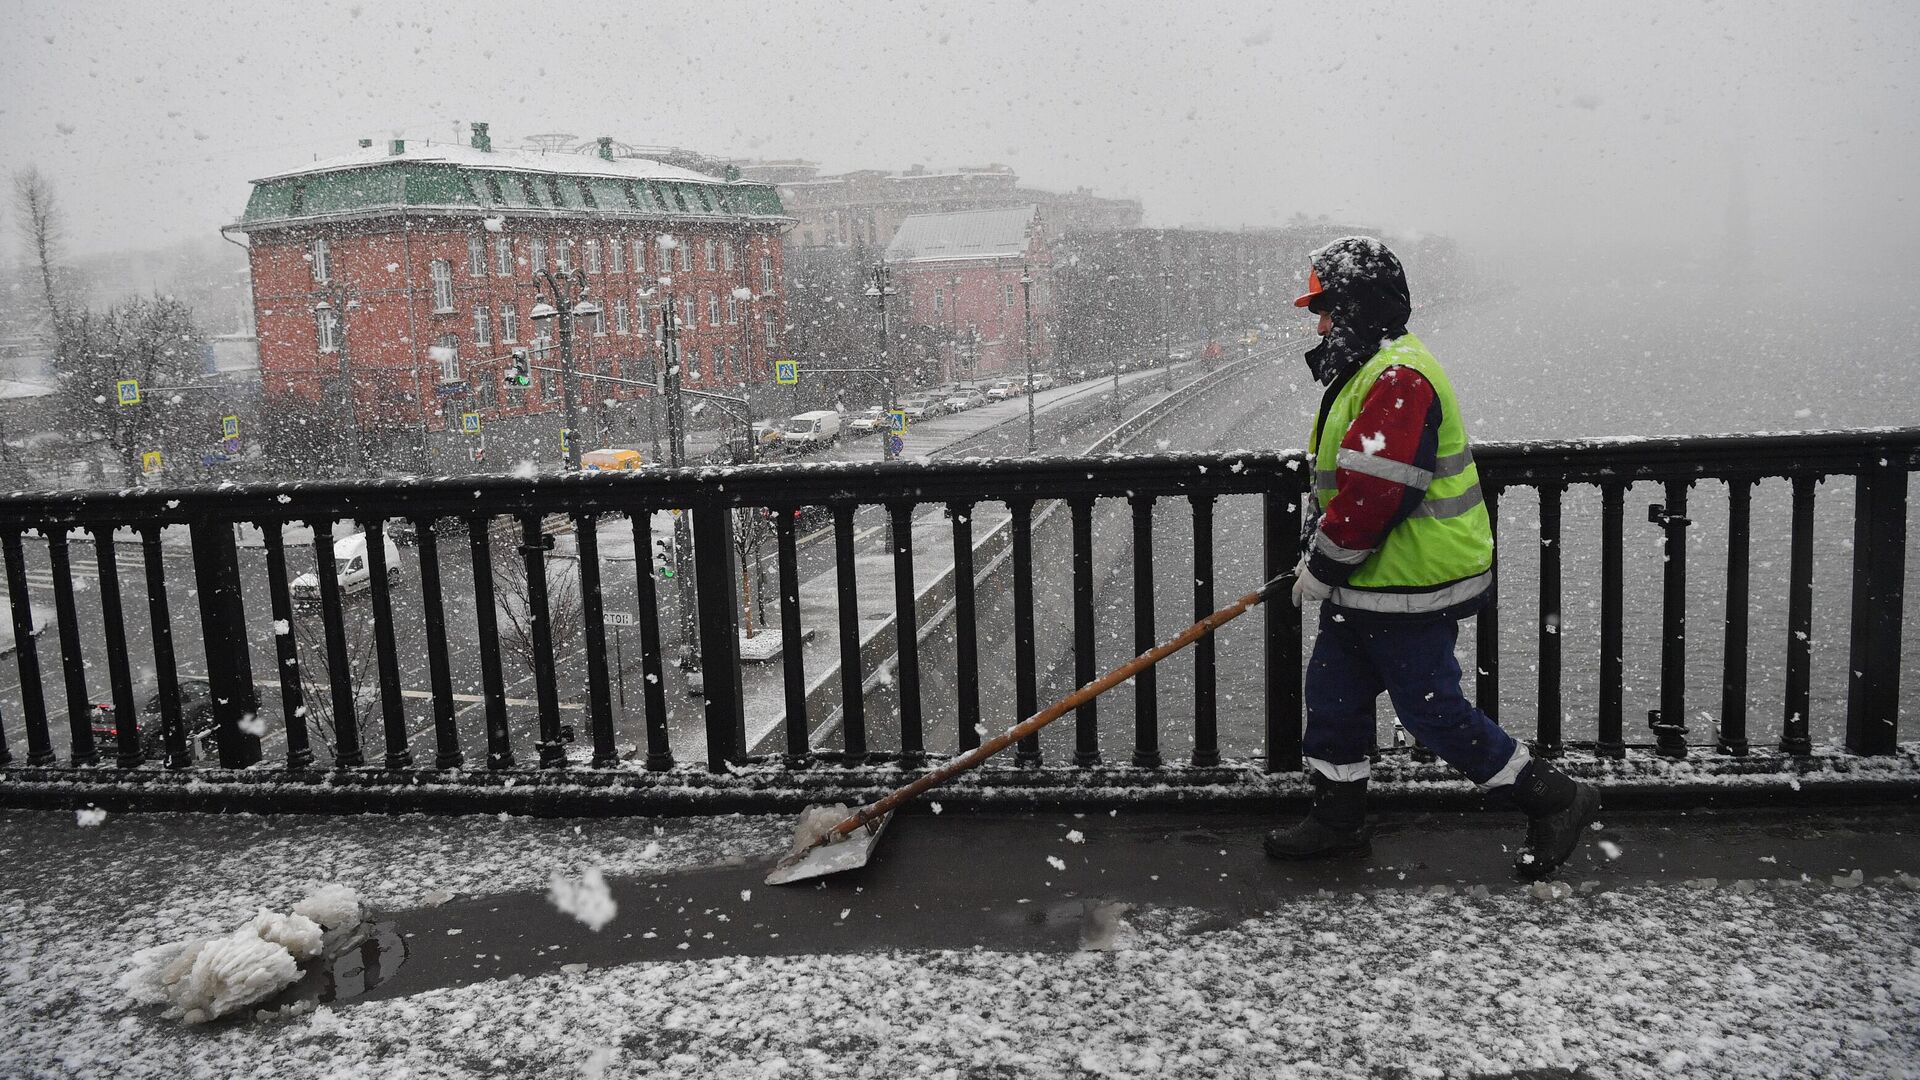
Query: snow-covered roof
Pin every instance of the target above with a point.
(968, 234)
(568, 164)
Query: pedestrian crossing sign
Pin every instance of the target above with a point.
(470, 423)
(786, 372)
(897, 421)
(129, 390)
(229, 427)
(150, 462)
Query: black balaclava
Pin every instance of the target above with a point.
(1364, 288)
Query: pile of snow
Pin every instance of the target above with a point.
(587, 899)
(815, 823)
(201, 979)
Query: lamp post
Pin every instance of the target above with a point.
(1026, 311)
(1166, 320)
(743, 296)
(568, 291)
(880, 289)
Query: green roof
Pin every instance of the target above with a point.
(457, 180)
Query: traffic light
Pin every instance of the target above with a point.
(663, 555)
(518, 372)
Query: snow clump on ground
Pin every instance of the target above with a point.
(587, 899)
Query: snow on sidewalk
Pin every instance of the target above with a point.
(1781, 979)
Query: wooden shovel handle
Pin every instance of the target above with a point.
(972, 758)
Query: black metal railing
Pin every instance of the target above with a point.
(475, 509)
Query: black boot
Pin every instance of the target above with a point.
(1337, 824)
(1559, 809)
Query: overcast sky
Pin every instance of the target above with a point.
(1623, 124)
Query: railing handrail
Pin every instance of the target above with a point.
(1559, 462)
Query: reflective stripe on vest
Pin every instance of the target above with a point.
(1442, 553)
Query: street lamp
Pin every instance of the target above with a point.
(1026, 308)
(743, 296)
(569, 294)
(882, 288)
(1166, 319)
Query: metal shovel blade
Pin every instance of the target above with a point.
(850, 852)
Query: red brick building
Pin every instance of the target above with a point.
(959, 281)
(393, 285)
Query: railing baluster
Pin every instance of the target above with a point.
(33, 702)
(1280, 514)
(1794, 738)
(286, 646)
(1547, 721)
(126, 715)
(792, 661)
(1206, 720)
(172, 727)
(73, 664)
(433, 610)
(1146, 685)
(1669, 721)
(853, 704)
(1086, 718)
(233, 698)
(907, 634)
(652, 668)
(493, 684)
(1733, 667)
(715, 576)
(1879, 599)
(539, 620)
(346, 711)
(1026, 672)
(393, 708)
(966, 651)
(1486, 632)
(594, 628)
(1612, 717)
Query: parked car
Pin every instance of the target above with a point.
(1003, 389)
(767, 432)
(810, 431)
(965, 398)
(867, 421)
(1042, 380)
(196, 711)
(921, 408)
(350, 568)
(1181, 354)
(612, 459)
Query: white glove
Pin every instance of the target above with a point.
(1306, 586)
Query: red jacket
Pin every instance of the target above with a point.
(1399, 421)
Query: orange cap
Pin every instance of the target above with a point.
(1313, 289)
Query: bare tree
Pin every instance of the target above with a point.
(565, 613)
(309, 631)
(43, 229)
(153, 340)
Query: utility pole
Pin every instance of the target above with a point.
(569, 295)
(882, 288)
(1166, 317)
(677, 457)
(1026, 310)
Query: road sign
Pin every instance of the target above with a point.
(470, 423)
(129, 390)
(896, 444)
(566, 440)
(786, 372)
(897, 421)
(621, 618)
(230, 427)
(230, 446)
(150, 462)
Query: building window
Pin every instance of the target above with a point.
(641, 317)
(733, 310)
(593, 256)
(503, 257)
(563, 256)
(482, 326)
(539, 254)
(328, 323)
(1008, 294)
(937, 301)
(599, 321)
(713, 261)
(442, 285)
(733, 365)
(446, 352)
(766, 273)
(692, 366)
(476, 256)
(620, 322)
(484, 392)
(509, 324)
(322, 262)
(713, 309)
(769, 340)
(726, 250)
(639, 255)
(686, 258)
(617, 252)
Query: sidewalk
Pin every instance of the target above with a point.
(1136, 945)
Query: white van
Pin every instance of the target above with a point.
(811, 430)
(350, 568)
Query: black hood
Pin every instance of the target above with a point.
(1363, 287)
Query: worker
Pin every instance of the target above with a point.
(1398, 551)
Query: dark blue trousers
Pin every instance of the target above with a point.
(1412, 662)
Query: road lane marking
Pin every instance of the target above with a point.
(474, 699)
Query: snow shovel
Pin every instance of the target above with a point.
(822, 847)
